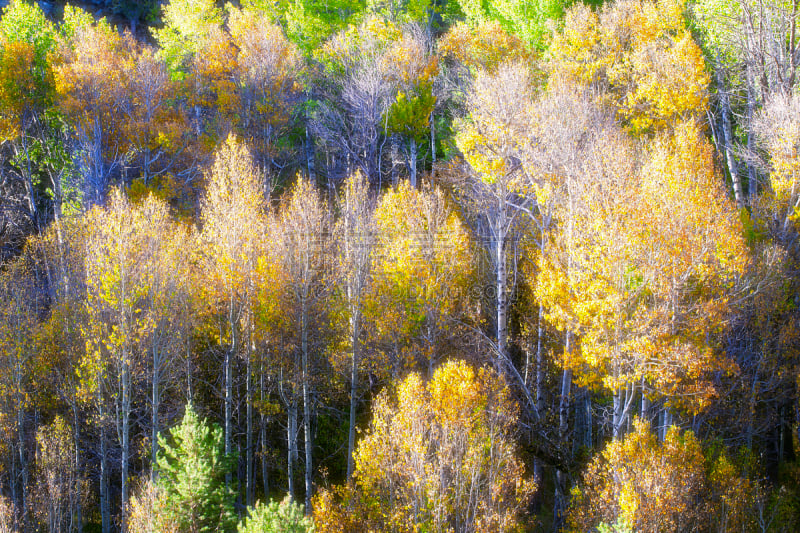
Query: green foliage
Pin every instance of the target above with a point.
(27, 38)
(26, 22)
(526, 19)
(621, 526)
(187, 25)
(75, 20)
(284, 517)
(410, 112)
(191, 474)
(310, 22)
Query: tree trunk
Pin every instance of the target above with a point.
(249, 473)
(126, 446)
(249, 467)
(306, 405)
(263, 419)
(310, 155)
(501, 286)
(228, 370)
(587, 407)
(563, 428)
(727, 138)
(76, 521)
(156, 401)
(291, 447)
(752, 183)
(355, 325)
(23, 467)
(105, 503)
(433, 145)
(412, 162)
(393, 154)
(623, 399)
(538, 390)
(667, 422)
(645, 408)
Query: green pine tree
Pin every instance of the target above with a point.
(284, 517)
(191, 476)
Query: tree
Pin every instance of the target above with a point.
(192, 466)
(484, 46)
(777, 127)
(27, 42)
(268, 75)
(492, 177)
(356, 239)
(153, 127)
(89, 85)
(526, 20)
(440, 456)
(128, 294)
(640, 55)
(285, 516)
(423, 275)
(753, 45)
(643, 273)
(233, 228)
(645, 485)
(310, 22)
(350, 120)
(410, 115)
(304, 225)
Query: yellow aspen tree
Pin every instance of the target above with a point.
(692, 252)
(641, 56)
(644, 273)
(153, 126)
(233, 228)
(267, 75)
(122, 256)
(423, 275)
(90, 84)
(642, 484)
(355, 238)
(484, 46)
(304, 226)
(439, 456)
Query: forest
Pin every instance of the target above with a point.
(404, 266)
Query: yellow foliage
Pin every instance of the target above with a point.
(437, 456)
(641, 269)
(653, 486)
(482, 47)
(422, 274)
(642, 57)
(17, 85)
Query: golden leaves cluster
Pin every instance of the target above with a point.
(438, 456)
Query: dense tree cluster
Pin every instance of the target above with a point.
(422, 265)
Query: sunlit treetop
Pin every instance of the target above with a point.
(484, 46)
(188, 24)
(27, 38)
(640, 55)
(310, 22)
